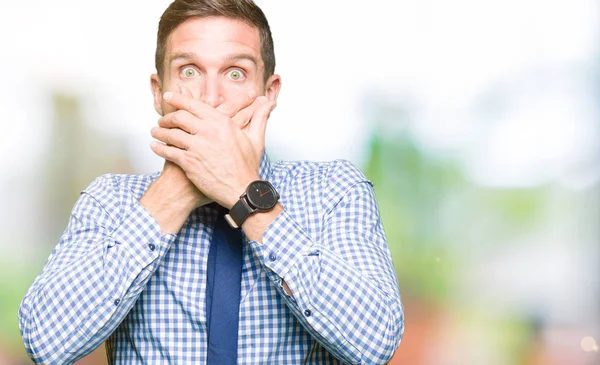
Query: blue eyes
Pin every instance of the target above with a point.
(235, 74)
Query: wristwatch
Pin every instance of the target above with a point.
(260, 196)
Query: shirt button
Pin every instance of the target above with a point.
(151, 246)
(272, 256)
(307, 312)
(117, 301)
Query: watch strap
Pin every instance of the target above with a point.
(239, 213)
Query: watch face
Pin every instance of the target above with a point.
(262, 195)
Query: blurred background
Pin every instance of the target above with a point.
(478, 122)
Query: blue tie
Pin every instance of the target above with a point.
(224, 281)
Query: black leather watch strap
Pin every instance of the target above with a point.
(260, 196)
(239, 213)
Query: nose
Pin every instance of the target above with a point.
(212, 93)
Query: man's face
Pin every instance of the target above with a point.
(213, 59)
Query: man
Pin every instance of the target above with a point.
(156, 266)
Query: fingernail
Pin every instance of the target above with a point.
(262, 99)
(153, 144)
(154, 129)
(168, 95)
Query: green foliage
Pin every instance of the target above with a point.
(14, 282)
(412, 190)
(435, 217)
(520, 209)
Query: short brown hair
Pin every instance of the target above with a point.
(244, 10)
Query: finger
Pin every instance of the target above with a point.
(172, 137)
(181, 119)
(257, 127)
(186, 91)
(182, 102)
(243, 117)
(236, 102)
(169, 153)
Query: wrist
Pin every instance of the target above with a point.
(237, 192)
(255, 225)
(171, 195)
(169, 207)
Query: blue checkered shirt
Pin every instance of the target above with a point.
(114, 278)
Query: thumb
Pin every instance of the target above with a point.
(257, 127)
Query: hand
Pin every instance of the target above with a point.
(180, 188)
(240, 112)
(174, 177)
(217, 157)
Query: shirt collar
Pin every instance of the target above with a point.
(264, 169)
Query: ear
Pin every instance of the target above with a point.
(272, 87)
(156, 86)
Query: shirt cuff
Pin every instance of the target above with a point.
(283, 244)
(140, 234)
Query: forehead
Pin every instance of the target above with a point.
(213, 36)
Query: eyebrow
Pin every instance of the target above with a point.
(230, 58)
